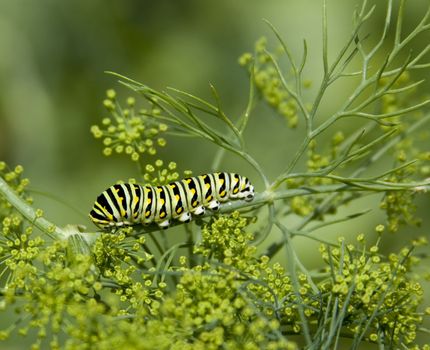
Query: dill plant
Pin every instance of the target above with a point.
(73, 288)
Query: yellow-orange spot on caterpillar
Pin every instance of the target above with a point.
(149, 200)
(221, 181)
(135, 200)
(222, 194)
(179, 210)
(148, 213)
(209, 197)
(193, 190)
(162, 214)
(162, 201)
(177, 197)
(208, 186)
(194, 203)
(235, 190)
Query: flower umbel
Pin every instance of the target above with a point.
(128, 131)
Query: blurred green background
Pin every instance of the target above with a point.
(52, 62)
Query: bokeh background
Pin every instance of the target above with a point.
(52, 82)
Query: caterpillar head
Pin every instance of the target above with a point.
(247, 190)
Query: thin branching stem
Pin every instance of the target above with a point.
(325, 38)
(292, 268)
(290, 91)
(28, 212)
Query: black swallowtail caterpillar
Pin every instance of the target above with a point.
(131, 204)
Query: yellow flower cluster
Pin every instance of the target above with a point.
(129, 131)
(379, 296)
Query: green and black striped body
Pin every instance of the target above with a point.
(132, 204)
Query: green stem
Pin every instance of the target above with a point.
(292, 164)
(29, 212)
(295, 282)
(256, 166)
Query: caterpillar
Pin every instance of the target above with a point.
(131, 204)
